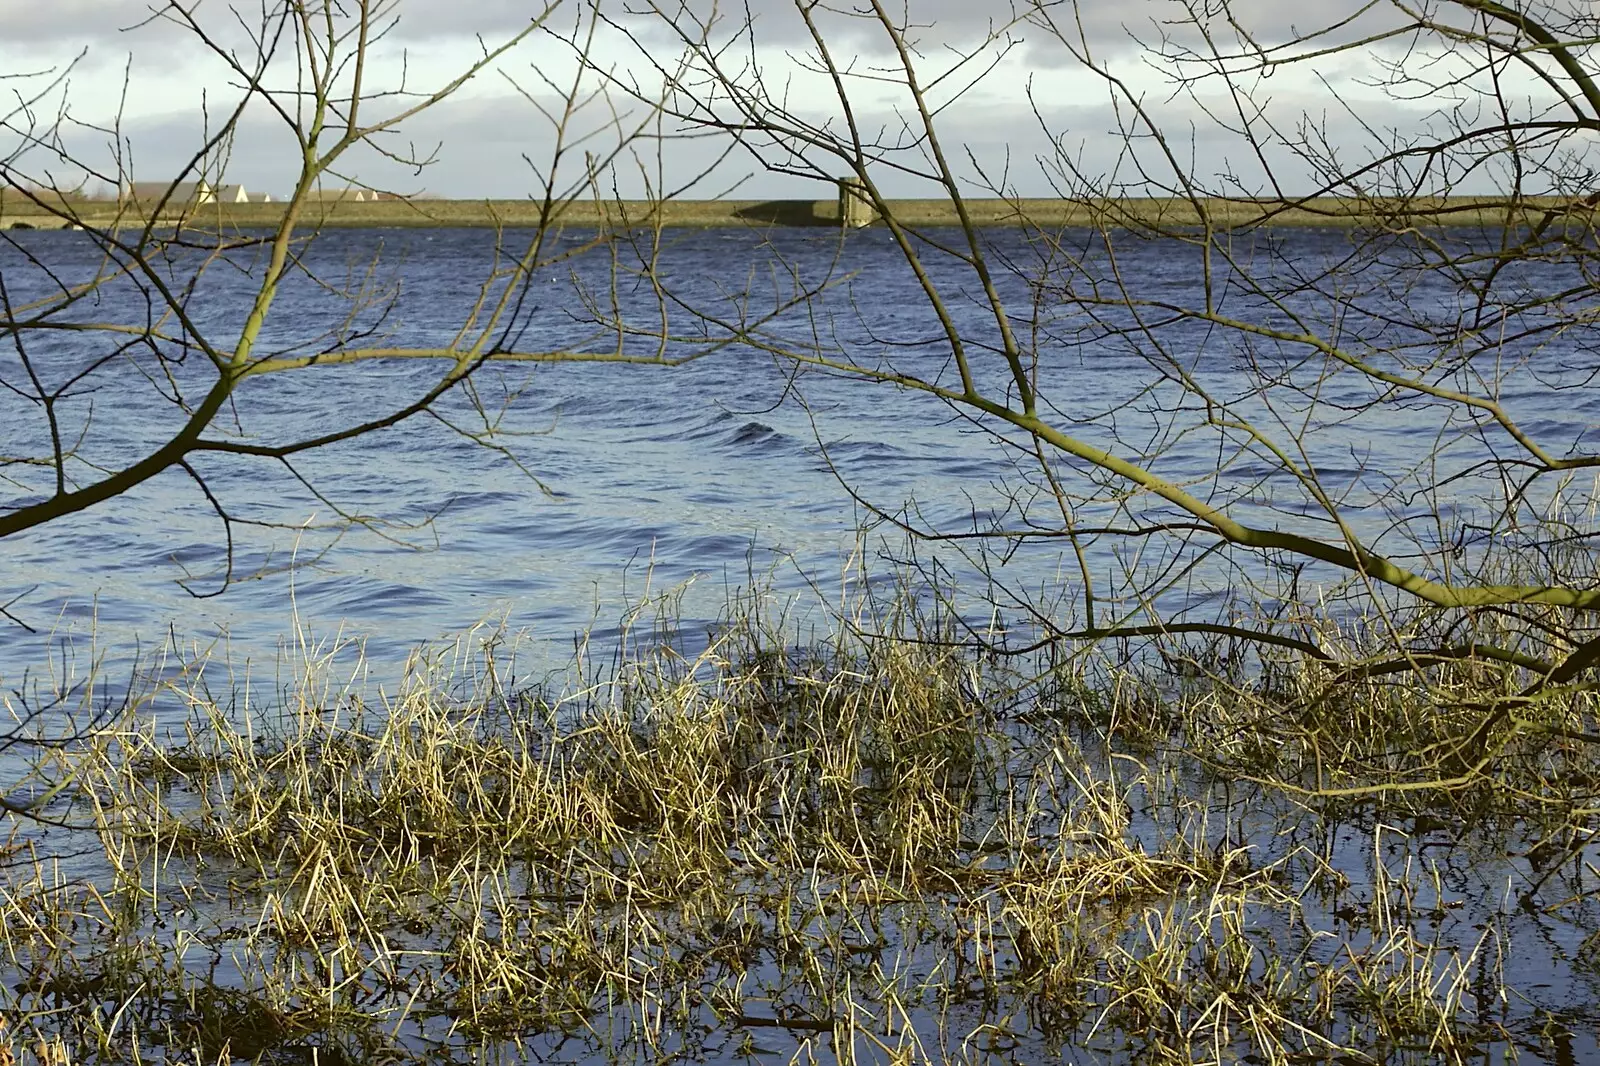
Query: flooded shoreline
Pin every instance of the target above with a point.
(886, 851)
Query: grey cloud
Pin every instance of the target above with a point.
(936, 22)
(484, 139)
(483, 143)
(1039, 26)
(939, 25)
(34, 21)
(931, 22)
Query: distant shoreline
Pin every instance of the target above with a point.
(1327, 212)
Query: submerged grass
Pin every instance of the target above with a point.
(851, 850)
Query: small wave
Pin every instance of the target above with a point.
(754, 433)
(610, 540)
(746, 436)
(711, 551)
(712, 495)
(341, 597)
(476, 501)
(872, 451)
(711, 426)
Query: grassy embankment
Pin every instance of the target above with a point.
(861, 850)
(1133, 213)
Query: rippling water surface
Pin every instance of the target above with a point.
(639, 479)
(635, 476)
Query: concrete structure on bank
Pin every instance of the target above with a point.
(856, 208)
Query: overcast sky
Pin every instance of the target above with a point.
(159, 79)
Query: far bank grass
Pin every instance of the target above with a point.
(1142, 213)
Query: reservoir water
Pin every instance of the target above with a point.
(608, 483)
(621, 479)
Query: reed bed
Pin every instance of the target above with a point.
(881, 850)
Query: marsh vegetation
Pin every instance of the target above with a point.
(847, 850)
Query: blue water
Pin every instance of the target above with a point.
(626, 482)
(641, 479)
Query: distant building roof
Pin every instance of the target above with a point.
(355, 195)
(232, 194)
(182, 192)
